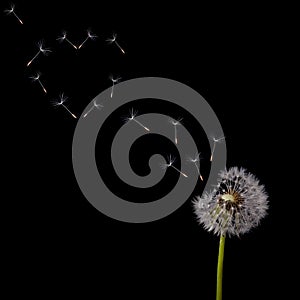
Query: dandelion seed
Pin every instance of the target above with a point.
(89, 36)
(64, 38)
(175, 123)
(170, 164)
(114, 40)
(215, 141)
(42, 50)
(113, 84)
(133, 114)
(95, 105)
(62, 100)
(12, 11)
(196, 162)
(37, 78)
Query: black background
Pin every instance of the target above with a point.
(52, 234)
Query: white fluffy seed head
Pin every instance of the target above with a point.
(236, 205)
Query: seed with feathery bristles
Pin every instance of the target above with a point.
(42, 50)
(175, 123)
(114, 40)
(63, 37)
(95, 105)
(169, 164)
(114, 80)
(61, 101)
(11, 11)
(196, 162)
(132, 117)
(37, 78)
(89, 36)
(215, 141)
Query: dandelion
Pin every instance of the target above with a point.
(89, 36)
(196, 162)
(12, 11)
(113, 84)
(62, 100)
(37, 78)
(42, 50)
(133, 114)
(215, 141)
(170, 164)
(175, 123)
(64, 38)
(114, 40)
(236, 205)
(95, 105)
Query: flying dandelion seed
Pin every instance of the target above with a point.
(235, 206)
(175, 123)
(215, 140)
(133, 114)
(196, 162)
(170, 164)
(42, 50)
(114, 40)
(95, 105)
(64, 38)
(12, 12)
(89, 36)
(113, 84)
(62, 100)
(37, 78)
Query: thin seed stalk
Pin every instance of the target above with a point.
(220, 267)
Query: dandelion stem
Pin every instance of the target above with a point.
(220, 267)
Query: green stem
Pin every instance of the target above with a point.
(220, 267)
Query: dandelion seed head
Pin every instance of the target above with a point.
(236, 205)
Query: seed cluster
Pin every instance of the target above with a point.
(236, 205)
